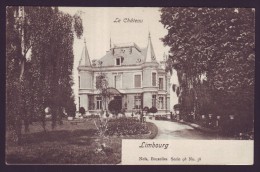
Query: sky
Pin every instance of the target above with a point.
(102, 24)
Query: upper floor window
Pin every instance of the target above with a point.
(137, 81)
(79, 81)
(98, 81)
(160, 83)
(154, 79)
(118, 81)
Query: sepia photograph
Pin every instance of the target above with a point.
(129, 85)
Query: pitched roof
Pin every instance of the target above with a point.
(84, 60)
(129, 52)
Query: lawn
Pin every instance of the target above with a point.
(68, 144)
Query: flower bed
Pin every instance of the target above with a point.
(92, 116)
(126, 126)
(161, 117)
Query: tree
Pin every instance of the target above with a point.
(219, 45)
(39, 71)
(102, 86)
(16, 49)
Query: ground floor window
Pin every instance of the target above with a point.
(154, 100)
(137, 102)
(161, 103)
(91, 102)
(99, 103)
(125, 101)
(79, 102)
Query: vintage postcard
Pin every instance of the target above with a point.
(130, 85)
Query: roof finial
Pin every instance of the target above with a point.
(149, 35)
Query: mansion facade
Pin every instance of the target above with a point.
(134, 76)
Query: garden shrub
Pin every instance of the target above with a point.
(82, 110)
(177, 107)
(161, 117)
(146, 109)
(126, 126)
(153, 110)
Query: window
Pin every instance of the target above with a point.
(79, 81)
(99, 103)
(79, 102)
(101, 80)
(137, 102)
(154, 79)
(114, 81)
(154, 100)
(98, 81)
(118, 81)
(161, 105)
(118, 62)
(91, 103)
(160, 83)
(137, 81)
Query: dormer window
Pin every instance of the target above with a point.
(119, 61)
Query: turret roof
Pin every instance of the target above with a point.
(84, 60)
(150, 55)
